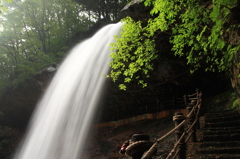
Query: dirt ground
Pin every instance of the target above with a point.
(105, 143)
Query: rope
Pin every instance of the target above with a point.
(154, 146)
(175, 146)
(186, 132)
(195, 121)
(192, 94)
(193, 124)
(149, 153)
(188, 137)
(192, 98)
(138, 146)
(176, 153)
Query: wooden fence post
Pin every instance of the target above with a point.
(191, 119)
(178, 118)
(139, 137)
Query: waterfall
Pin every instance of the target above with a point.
(62, 119)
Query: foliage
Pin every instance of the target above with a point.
(35, 34)
(132, 64)
(200, 32)
(3, 9)
(99, 9)
(235, 104)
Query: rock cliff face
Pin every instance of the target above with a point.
(235, 77)
(17, 104)
(234, 39)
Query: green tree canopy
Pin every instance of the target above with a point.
(1, 5)
(35, 34)
(202, 31)
(103, 9)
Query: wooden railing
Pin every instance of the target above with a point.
(171, 103)
(183, 134)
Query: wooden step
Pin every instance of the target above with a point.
(214, 156)
(221, 128)
(219, 144)
(222, 137)
(221, 131)
(222, 118)
(223, 124)
(222, 113)
(219, 150)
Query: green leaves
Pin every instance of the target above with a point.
(35, 34)
(203, 30)
(197, 32)
(132, 53)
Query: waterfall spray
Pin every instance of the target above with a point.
(62, 118)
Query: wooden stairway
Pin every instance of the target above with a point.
(219, 138)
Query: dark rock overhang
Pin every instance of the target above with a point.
(136, 10)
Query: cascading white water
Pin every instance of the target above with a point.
(63, 117)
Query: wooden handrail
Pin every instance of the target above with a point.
(192, 118)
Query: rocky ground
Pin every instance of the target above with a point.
(106, 142)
